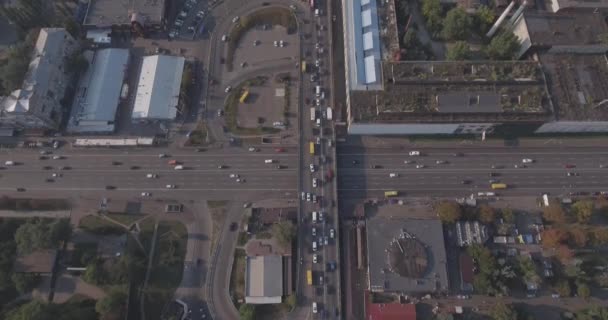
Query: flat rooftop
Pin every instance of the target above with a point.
(567, 29)
(578, 85)
(105, 13)
(406, 255)
(454, 91)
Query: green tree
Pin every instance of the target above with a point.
(32, 235)
(25, 282)
(503, 46)
(501, 311)
(113, 304)
(554, 213)
(33, 310)
(284, 232)
(563, 288)
(449, 211)
(431, 10)
(486, 214)
(94, 273)
(527, 269)
(13, 72)
(583, 210)
(247, 311)
(484, 18)
(456, 25)
(291, 301)
(458, 51)
(582, 290)
(507, 215)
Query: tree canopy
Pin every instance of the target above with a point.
(456, 25)
(41, 233)
(486, 214)
(503, 46)
(284, 232)
(483, 19)
(113, 304)
(501, 311)
(247, 311)
(459, 51)
(554, 213)
(583, 210)
(431, 10)
(449, 212)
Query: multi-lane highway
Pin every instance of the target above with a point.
(462, 171)
(137, 171)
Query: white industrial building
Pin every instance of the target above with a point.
(158, 88)
(99, 91)
(264, 279)
(37, 104)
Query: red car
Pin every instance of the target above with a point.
(569, 166)
(279, 150)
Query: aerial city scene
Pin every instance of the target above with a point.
(303, 159)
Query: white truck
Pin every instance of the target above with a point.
(329, 113)
(313, 114)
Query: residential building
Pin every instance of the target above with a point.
(39, 103)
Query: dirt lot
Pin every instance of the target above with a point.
(262, 107)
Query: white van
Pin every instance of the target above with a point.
(268, 161)
(314, 246)
(224, 38)
(314, 307)
(9, 163)
(318, 91)
(317, 12)
(314, 216)
(179, 167)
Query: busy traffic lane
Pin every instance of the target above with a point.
(462, 171)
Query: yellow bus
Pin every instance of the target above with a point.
(244, 96)
(309, 277)
(391, 193)
(303, 65)
(499, 186)
(312, 148)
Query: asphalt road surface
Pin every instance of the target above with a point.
(365, 173)
(84, 171)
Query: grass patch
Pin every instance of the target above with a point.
(243, 238)
(97, 225)
(237, 277)
(16, 204)
(263, 235)
(198, 136)
(124, 218)
(214, 204)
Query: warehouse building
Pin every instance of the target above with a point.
(99, 92)
(264, 280)
(158, 89)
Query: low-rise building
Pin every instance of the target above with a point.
(99, 91)
(158, 89)
(264, 280)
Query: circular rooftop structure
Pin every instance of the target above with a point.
(408, 257)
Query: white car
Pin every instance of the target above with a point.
(151, 176)
(252, 149)
(414, 153)
(57, 157)
(276, 43)
(420, 166)
(146, 194)
(314, 200)
(268, 161)
(228, 89)
(409, 162)
(440, 162)
(234, 175)
(162, 155)
(314, 182)
(393, 175)
(308, 197)
(312, 167)
(314, 231)
(281, 43)
(332, 233)
(56, 175)
(170, 186)
(314, 258)
(314, 307)
(235, 19)
(303, 195)
(527, 160)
